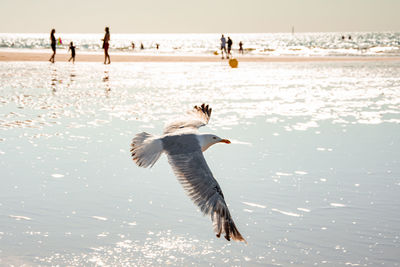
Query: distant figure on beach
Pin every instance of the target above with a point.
(72, 48)
(229, 46)
(223, 46)
(241, 47)
(106, 45)
(349, 37)
(141, 46)
(342, 37)
(133, 46)
(53, 45)
(157, 46)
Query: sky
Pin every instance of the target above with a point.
(198, 16)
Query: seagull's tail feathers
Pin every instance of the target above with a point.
(146, 149)
(223, 224)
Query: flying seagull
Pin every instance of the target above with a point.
(184, 146)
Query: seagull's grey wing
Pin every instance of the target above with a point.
(197, 117)
(198, 181)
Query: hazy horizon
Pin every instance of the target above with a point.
(101, 33)
(208, 16)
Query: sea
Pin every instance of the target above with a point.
(256, 44)
(311, 178)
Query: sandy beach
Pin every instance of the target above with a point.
(311, 175)
(29, 56)
(152, 148)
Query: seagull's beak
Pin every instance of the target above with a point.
(226, 141)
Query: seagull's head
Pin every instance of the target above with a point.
(207, 140)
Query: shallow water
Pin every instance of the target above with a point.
(257, 44)
(312, 176)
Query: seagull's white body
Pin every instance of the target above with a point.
(184, 147)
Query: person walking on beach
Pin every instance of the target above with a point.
(106, 45)
(53, 45)
(223, 46)
(229, 46)
(72, 48)
(241, 47)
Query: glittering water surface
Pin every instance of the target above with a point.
(312, 176)
(257, 44)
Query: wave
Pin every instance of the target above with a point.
(260, 44)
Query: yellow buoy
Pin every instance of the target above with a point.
(216, 53)
(233, 62)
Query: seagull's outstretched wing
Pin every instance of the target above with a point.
(197, 117)
(198, 181)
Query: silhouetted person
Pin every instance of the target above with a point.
(133, 46)
(229, 46)
(157, 46)
(53, 45)
(223, 46)
(241, 47)
(349, 37)
(106, 45)
(342, 37)
(72, 48)
(141, 46)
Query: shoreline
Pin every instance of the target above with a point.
(90, 57)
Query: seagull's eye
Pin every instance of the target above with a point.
(214, 137)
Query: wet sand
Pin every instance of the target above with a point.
(29, 56)
(311, 177)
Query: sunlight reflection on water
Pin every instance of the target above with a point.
(315, 142)
(311, 93)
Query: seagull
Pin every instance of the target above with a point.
(184, 147)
